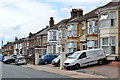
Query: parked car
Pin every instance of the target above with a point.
(56, 61)
(8, 59)
(1, 57)
(20, 60)
(85, 58)
(14, 56)
(46, 59)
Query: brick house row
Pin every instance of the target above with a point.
(99, 28)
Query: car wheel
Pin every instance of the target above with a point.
(8, 62)
(100, 62)
(77, 66)
(46, 62)
(25, 64)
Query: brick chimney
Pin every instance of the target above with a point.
(79, 12)
(115, 0)
(16, 38)
(30, 34)
(51, 22)
(76, 13)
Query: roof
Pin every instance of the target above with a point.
(43, 31)
(110, 4)
(62, 22)
(92, 14)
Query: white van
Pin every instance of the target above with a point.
(85, 58)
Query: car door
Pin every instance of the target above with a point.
(48, 58)
(52, 57)
(83, 59)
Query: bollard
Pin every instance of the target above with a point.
(36, 59)
(62, 59)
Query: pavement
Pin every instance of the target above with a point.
(70, 73)
(104, 70)
(12, 71)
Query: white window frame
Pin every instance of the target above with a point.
(83, 28)
(72, 30)
(113, 16)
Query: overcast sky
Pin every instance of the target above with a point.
(19, 17)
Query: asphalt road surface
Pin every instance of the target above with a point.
(12, 71)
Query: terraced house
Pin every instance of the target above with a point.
(73, 30)
(62, 37)
(41, 41)
(99, 28)
(109, 26)
(8, 48)
(52, 47)
(88, 35)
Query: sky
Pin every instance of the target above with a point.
(19, 17)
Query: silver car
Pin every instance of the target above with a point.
(20, 60)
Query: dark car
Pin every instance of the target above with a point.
(56, 61)
(8, 59)
(46, 59)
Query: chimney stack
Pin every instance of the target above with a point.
(51, 22)
(30, 34)
(76, 13)
(16, 38)
(115, 0)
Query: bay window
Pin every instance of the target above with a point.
(54, 48)
(105, 44)
(113, 44)
(44, 39)
(92, 44)
(104, 20)
(72, 30)
(63, 34)
(52, 35)
(83, 29)
(113, 18)
(93, 27)
(72, 46)
(109, 44)
(108, 18)
(90, 27)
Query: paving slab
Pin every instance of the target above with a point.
(73, 74)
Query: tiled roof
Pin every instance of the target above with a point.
(58, 24)
(110, 4)
(43, 31)
(92, 14)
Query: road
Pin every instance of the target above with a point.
(12, 71)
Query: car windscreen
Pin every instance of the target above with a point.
(59, 56)
(74, 55)
(21, 58)
(7, 57)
